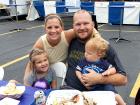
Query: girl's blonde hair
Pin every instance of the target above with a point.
(36, 52)
(99, 44)
(52, 16)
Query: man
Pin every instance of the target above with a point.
(83, 27)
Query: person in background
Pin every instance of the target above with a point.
(55, 42)
(84, 28)
(42, 77)
(95, 50)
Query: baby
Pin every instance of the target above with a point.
(95, 50)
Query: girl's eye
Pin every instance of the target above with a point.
(49, 27)
(45, 59)
(56, 27)
(37, 62)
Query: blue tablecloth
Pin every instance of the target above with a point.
(28, 97)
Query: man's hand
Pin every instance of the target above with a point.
(92, 78)
(79, 75)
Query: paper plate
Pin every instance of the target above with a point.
(8, 101)
(101, 97)
(21, 89)
(88, 97)
(62, 97)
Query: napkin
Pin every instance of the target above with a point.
(8, 101)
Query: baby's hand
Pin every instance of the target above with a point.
(110, 71)
(106, 73)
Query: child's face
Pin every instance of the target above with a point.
(91, 54)
(41, 63)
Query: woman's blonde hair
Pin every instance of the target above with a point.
(98, 44)
(36, 52)
(52, 16)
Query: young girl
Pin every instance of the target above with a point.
(95, 50)
(42, 76)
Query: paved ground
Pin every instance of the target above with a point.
(14, 46)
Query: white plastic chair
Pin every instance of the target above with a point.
(1, 73)
(60, 70)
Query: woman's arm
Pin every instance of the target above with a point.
(96, 33)
(69, 34)
(54, 84)
(26, 83)
(28, 80)
(39, 44)
(28, 70)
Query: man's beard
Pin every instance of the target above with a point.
(84, 39)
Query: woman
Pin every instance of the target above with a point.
(55, 42)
